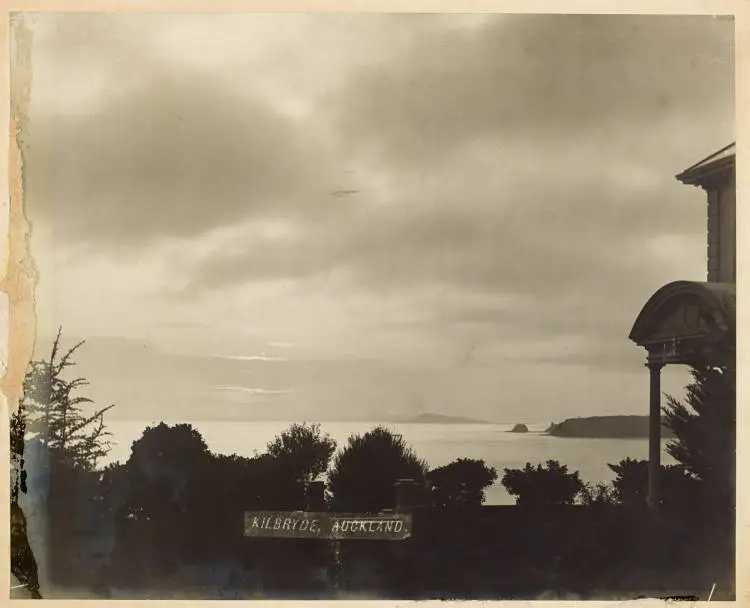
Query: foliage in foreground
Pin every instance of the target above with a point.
(630, 487)
(304, 450)
(363, 475)
(54, 411)
(545, 485)
(459, 484)
(704, 426)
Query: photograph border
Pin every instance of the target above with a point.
(18, 277)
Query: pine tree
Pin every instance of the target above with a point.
(705, 431)
(55, 412)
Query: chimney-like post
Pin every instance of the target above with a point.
(654, 441)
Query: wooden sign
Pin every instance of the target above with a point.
(332, 526)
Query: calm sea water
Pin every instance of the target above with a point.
(438, 444)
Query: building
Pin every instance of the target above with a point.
(689, 320)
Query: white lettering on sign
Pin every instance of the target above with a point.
(301, 524)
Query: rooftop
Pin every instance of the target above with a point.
(715, 163)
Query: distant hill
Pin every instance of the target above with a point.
(605, 427)
(440, 419)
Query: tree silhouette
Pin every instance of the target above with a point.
(68, 445)
(630, 487)
(705, 431)
(303, 451)
(704, 426)
(156, 488)
(542, 486)
(54, 411)
(460, 483)
(159, 468)
(597, 495)
(17, 448)
(364, 473)
(176, 503)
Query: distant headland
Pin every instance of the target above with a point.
(605, 427)
(440, 419)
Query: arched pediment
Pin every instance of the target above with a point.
(686, 313)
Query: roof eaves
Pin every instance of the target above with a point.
(715, 163)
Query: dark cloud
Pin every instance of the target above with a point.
(588, 118)
(532, 157)
(177, 155)
(543, 76)
(549, 238)
(527, 156)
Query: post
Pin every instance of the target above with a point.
(402, 557)
(654, 436)
(322, 558)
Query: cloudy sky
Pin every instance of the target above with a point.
(362, 215)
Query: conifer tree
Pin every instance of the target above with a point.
(704, 426)
(55, 412)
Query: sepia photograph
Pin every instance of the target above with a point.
(379, 306)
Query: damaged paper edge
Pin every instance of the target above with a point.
(19, 272)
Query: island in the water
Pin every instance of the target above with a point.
(606, 427)
(440, 419)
